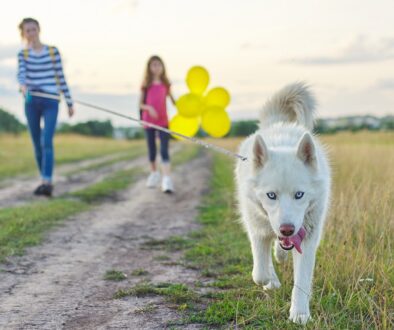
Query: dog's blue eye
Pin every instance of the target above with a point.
(271, 195)
(298, 195)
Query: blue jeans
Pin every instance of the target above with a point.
(35, 109)
(151, 141)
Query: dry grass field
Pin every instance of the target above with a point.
(354, 273)
(16, 152)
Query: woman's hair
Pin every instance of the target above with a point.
(25, 21)
(148, 77)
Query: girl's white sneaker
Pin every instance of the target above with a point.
(166, 185)
(153, 180)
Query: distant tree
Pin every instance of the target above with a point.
(388, 123)
(92, 127)
(243, 127)
(129, 133)
(9, 123)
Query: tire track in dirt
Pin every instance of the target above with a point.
(59, 285)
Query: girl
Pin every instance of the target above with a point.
(155, 89)
(40, 70)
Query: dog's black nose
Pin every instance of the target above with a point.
(287, 230)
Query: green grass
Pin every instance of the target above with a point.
(187, 153)
(140, 290)
(147, 309)
(115, 275)
(175, 293)
(162, 257)
(171, 244)
(139, 272)
(25, 226)
(221, 251)
(108, 186)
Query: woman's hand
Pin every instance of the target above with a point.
(152, 112)
(71, 111)
(23, 90)
(172, 98)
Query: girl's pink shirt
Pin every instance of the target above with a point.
(156, 96)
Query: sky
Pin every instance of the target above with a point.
(343, 49)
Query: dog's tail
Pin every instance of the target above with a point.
(293, 103)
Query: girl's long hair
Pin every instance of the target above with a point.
(148, 77)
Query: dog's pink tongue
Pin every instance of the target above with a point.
(296, 239)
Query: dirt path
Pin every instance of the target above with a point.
(59, 285)
(18, 191)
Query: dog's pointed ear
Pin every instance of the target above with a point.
(307, 151)
(260, 152)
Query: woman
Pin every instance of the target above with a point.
(40, 70)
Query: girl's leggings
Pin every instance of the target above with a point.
(35, 109)
(150, 134)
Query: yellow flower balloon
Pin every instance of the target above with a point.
(184, 125)
(197, 79)
(215, 121)
(189, 105)
(218, 96)
(212, 108)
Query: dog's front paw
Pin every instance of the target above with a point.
(272, 284)
(260, 277)
(300, 317)
(268, 281)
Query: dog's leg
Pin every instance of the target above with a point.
(263, 269)
(303, 272)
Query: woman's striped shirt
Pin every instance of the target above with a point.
(43, 72)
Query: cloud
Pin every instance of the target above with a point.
(385, 84)
(252, 46)
(7, 71)
(360, 50)
(7, 91)
(125, 6)
(126, 104)
(8, 80)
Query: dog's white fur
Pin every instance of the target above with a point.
(284, 157)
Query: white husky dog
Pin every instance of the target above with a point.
(283, 192)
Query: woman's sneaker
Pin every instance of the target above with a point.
(44, 190)
(38, 190)
(167, 185)
(153, 180)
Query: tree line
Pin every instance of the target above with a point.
(10, 124)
